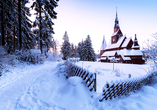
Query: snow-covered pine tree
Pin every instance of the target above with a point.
(7, 23)
(79, 50)
(16, 27)
(66, 49)
(150, 51)
(73, 50)
(44, 13)
(76, 54)
(27, 36)
(88, 51)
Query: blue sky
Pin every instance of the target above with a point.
(96, 18)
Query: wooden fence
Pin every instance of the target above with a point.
(118, 89)
(88, 77)
(113, 89)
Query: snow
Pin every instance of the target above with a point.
(124, 53)
(44, 87)
(116, 45)
(126, 58)
(115, 33)
(130, 52)
(103, 58)
(117, 18)
(105, 71)
(135, 46)
(75, 80)
(103, 45)
(126, 42)
(109, 53)
(117, 25)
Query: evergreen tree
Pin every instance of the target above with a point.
(73, 50)
(83, 51)
(27, 36)
(79, 50)
(15, 25)
(66, 49)
(44, 13)
(88, 51)
(7, 20)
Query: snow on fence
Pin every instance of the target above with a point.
(117, 89)
(88, 77)
(74, 59)
(113, 89)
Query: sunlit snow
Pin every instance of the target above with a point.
(44, 87)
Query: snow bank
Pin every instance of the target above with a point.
(105, 71)
(39, 87)
(75, 80)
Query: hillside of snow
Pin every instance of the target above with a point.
(45, 87)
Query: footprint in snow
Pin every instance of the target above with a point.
(123, 103)
(122, 107)
(139, 105)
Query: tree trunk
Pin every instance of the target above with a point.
(14, 33)
(2, 25)
(19, 34)
(40, 28)
(14, 39)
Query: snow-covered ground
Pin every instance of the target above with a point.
(44, 87)
(105, 71)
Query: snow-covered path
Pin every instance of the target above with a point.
(16, 89)
(43, 87)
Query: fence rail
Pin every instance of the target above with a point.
(88, 77)
(113, 89)
(118, 89)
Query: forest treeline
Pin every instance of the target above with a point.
(18, 32)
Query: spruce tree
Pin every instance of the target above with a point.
(66, 49)
(7, 20)
(27, 36)
(15, 26)
(79, 50)
(88, 51)
(73, 50)
(44, 15)
(82, 51)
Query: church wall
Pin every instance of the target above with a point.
(114, 39)
(101, 52)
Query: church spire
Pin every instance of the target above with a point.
(116, 26)
(135, 43)
(103, 46)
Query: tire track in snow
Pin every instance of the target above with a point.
(12, 92)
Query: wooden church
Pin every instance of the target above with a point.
(121, 49)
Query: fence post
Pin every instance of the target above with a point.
(95, 82)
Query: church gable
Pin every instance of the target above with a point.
(123, 49)
(117, 45)
(127, 43)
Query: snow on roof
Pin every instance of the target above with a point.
(109, 53)
(103, 58)
(126, 58)
(123, 57)
(116, 45)
(133, 46)
(124, 53)
(127, 40)
(103, 45)
(115, 33)
(117, 18)
(111, 58)
(117, 25)
(131, 52)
